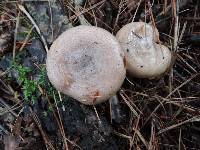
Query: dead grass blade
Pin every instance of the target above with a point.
(141, 137)
(35, 25)
(177, 88)
(129, 105)
(47, 142)
(193, 119)
(15, 36)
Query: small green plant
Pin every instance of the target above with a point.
(42, 76)
(30, 86)
(22, 72)
(45, 84)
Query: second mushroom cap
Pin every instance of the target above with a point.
(145, 58)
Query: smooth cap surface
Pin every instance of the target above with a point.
(86, 63)
(138, 30)
(145, 58)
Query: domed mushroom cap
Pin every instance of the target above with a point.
(86, 63)
(138, 30)
(145, 58)
(164, 59)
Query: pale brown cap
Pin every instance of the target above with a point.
(145, 58)
(138, 30)
(86, 63)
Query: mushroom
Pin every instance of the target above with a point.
(86, 63)
(144, 56)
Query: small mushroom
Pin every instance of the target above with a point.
(86, 63)
(145, 58)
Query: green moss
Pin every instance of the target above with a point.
(30, 87)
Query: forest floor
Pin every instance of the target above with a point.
(156, 114)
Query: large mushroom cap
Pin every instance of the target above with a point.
(145, 58)
(86, 63)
